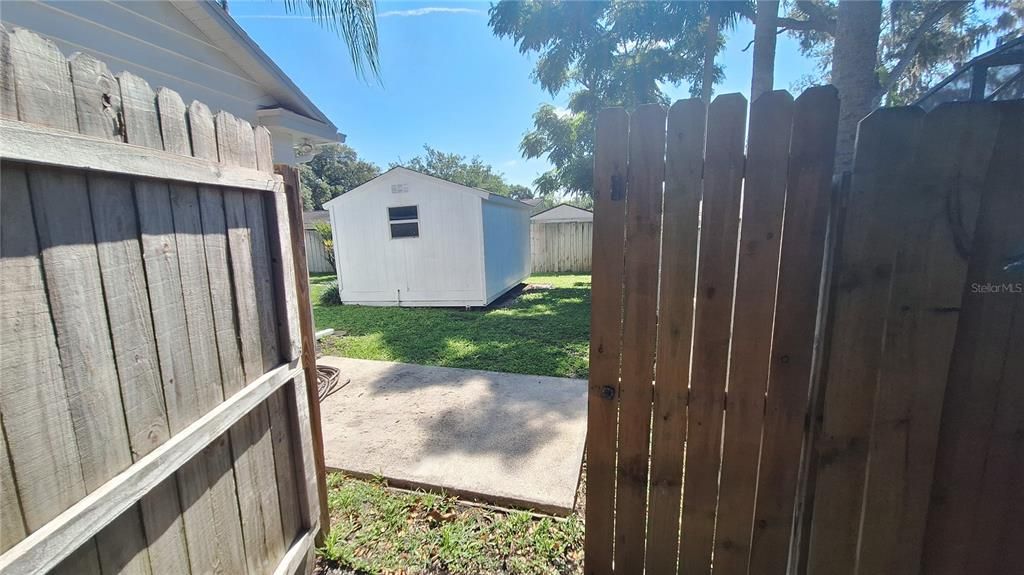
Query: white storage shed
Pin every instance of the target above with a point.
(409, 239)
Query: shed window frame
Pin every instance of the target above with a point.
(403, 222)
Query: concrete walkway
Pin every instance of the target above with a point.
(501, 438)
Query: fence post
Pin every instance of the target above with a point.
(293, 192)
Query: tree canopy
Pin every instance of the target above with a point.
(472, 172)
(623, 53)
(608, 54)
(334, 170)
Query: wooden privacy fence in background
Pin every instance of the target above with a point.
(155, 416)
(755, 411)
(560, 247)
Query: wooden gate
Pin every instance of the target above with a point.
(155, 413)
(755, 411)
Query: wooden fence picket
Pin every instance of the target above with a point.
(979, 438)
(723, 173)
(639, 328)
(928, 281)
(809, 175)
(844, 403)
(610, 159)
(683, 167)
(764, 195)
(887, 138)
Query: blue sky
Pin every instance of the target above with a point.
(448, 81)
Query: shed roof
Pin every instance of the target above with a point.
(484, 194)
(564, 213)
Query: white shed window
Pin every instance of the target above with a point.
(404, 221)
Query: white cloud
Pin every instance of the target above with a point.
(428, 10)
(562, 112)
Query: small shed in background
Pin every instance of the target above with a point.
(406, 238)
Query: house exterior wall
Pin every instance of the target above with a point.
(506, 247)
(153, 40)
(441, 267)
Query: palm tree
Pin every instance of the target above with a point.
(354, 21)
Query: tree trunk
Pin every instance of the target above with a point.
(710, 50)
(763, 78)
(854, 63)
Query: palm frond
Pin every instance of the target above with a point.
(354, 21)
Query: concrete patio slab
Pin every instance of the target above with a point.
(502, 438)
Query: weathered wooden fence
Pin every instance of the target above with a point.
(561, 247)
(154, 412)
(316, 254)
(755, 411)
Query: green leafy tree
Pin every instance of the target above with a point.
(606, 54)
(334, 170)
(472, 172)
(891, 52)
(519, 192)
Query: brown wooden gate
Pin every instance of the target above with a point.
(755, 411)
(155, 413)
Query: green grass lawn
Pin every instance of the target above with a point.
(378, 530)
(541, 332)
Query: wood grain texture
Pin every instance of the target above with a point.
(8, 99)
(141, 119)
(885, 143)
(246, 145)
(127, 297)
(251, 438)
(723, 172)
(683, 168)
(928, 282)
(976, 474)
(74, 285)
(764, 196)
(42, 81)
(71, 267)
(160, 255)
(227, 139)
(280, 426)
(202, 132)
(610, 161)
(639, 329)
(290, 175)
(12, 521)
(215, 242)
(264, 150)
(45, 146)
(97, 98)
(64, 536)
(173, 122)
(809, 175)
(33, 403)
